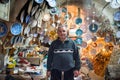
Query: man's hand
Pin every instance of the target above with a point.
(76, 73)
(48, 73)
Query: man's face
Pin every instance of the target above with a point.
(62, 33)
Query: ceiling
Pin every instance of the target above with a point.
(101, 6)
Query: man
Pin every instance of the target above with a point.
(63, 61)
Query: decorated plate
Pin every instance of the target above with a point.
(87, 36)
(79, 32)
(79, 41)
(84, 44)
(16, 28)
(54, 11)
(115, 4)
(118, 34)
(78, 21)
(46, 17)
(39, 1)
(27, 19)
(3, 29)
(83, 28)
(116, 16)
(94, 38)
(52, 3)
(93, 27)
(107, 38)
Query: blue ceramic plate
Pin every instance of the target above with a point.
(116, 16)
(78, 21)
(54, 11)
(79, 32)
(27, 19)
(78, 41)
(39, 1)
(93, 27)
(52, 3)
(3, 29)
(16, 29)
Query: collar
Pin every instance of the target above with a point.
(66, 40)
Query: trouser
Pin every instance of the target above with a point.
(60, 75)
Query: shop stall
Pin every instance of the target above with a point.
(27, 28)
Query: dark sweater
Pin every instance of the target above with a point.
(63, 56)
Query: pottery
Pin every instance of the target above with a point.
(16, 28)
(118, 34)
(79, 32)
(116, 16)
(3, 28)
(52, 3)
(78, 41)
(93, 27)
(46, 17)
(78, 20)
(39, 1)
(114, 4)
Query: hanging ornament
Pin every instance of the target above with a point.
(79, 41)
(93, 27)
(79, 32)
(78, 20)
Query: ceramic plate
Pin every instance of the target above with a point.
(84, 44)
(16, 28)
(83, 28)
(52, 3)
(79, 41)
(54, 11)
(114, 4)
(79, 32)
(93, 27)
(116, 16)
(107, 38)
(78, 21)
(94, 38)
(118, 34)
(3, 29)
(27, 19)
(39, 1)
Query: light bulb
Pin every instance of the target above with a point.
(93, 21)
